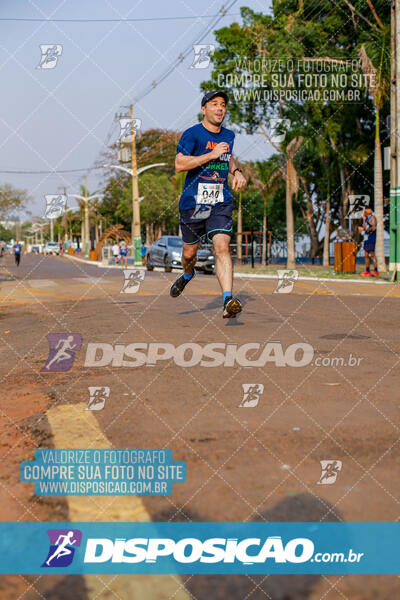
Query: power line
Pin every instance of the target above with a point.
(139, 20)
(50, 172)
(209, 27)
(223, 11)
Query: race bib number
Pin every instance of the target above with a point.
(210, 193)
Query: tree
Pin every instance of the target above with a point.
(335, 133)
(11, 199)
(375, 51)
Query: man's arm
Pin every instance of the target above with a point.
(186, 163)
(239, 181)
(372, 226)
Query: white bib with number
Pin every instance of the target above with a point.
(210, 193)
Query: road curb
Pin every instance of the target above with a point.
(238, 275)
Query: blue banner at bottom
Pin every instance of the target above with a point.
(199, 548)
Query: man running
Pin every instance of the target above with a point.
(369, 226)
(17, 252)
(205, 207)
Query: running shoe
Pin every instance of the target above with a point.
(179, 285)
(232, 307)
(376, 273)
(366, 274)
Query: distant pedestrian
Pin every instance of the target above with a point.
(143, 250)
(115, 251)
(17, 252)
(369, 227)
(123, 252)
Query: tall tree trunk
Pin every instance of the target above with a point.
(345, 198)
(309, 216)
(264, 236)
(290, 186)
(327, 230)
(378, 185)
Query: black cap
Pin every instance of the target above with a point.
(211, 95)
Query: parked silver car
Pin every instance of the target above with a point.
(51, 248)
(167, 252)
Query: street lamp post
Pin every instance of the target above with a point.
(39, 226)
(136, 234)
(86, 199)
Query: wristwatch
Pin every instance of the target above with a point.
(237, 169)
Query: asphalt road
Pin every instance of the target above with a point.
(325, 392)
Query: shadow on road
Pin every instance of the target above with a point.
(303, 507)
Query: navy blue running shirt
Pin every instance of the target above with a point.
(207, 184)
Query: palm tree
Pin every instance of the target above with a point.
(375, 51)
(292, 187)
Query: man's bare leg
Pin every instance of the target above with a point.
(189, 257)
(224, 273)
(367, 261)
(223, 261)
(373, 256)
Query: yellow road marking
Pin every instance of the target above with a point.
(74, 427)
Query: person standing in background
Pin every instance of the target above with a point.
(369, 227)
(143, 250)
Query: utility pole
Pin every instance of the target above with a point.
(86, 248)
(394, 265)
(136, 235)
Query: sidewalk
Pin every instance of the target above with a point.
(236, 275)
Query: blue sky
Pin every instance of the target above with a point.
(62, 117)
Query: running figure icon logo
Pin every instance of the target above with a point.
(63, 543)
(55, 205)
(330, 469)
(98, 396)
(50, 55)
(133, 279)
(251, 394)
(286, 281)
(357, 205)
(202, 56)
(62, 351)
(125, 125)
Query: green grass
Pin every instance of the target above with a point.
(307, 271)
